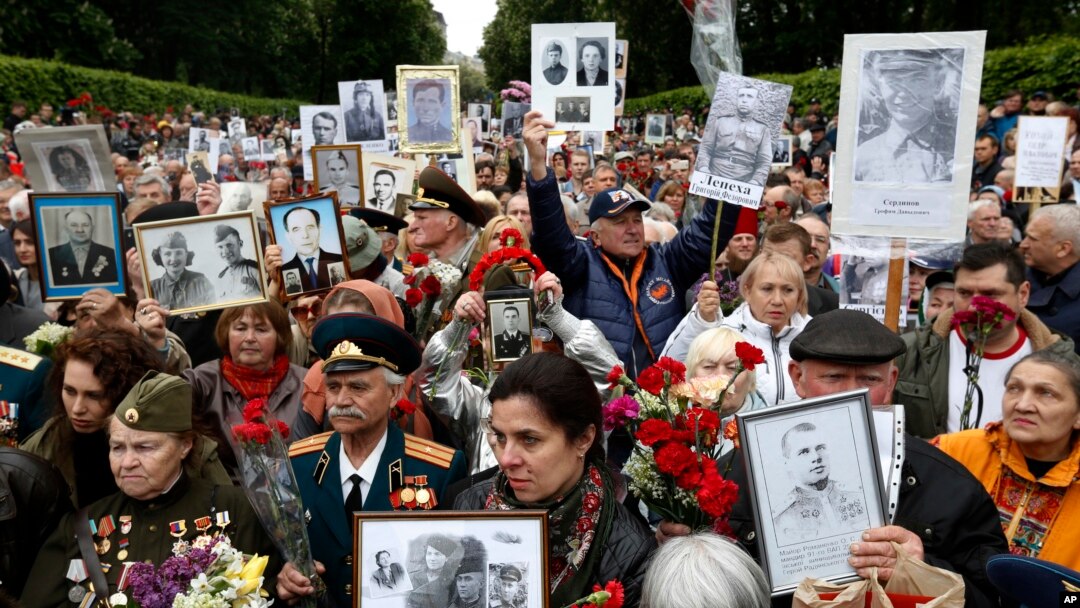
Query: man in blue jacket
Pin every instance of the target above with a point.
(630, 290)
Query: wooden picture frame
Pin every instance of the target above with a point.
(350, 192)
(94, 222)
(223, 267)
(499, 542)
(67, 159)
(318, 235)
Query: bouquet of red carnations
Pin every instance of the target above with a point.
(678, 437)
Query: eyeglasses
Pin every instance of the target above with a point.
(301, 313)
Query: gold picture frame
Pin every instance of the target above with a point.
(438, 85)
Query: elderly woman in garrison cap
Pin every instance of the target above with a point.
(158, 505)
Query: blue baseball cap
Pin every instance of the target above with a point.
(610, 203)
(1029, 581)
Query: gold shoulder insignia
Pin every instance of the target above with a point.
(428, 451)
(18, 358)
(308, 445)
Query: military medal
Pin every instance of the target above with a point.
(408, 493)
(203, 524)
(425, 498)
(123, 545)
(122, 580)
(103, 547)
(76, 573)
(104, 528)
(125, 524)
(178, 528)
(223, 519)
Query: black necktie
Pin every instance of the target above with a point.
(353, 502)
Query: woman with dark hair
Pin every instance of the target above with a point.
(256, 339)
(91, 374)
(69, 168)
(22, 236)
(547, 439)
(1029, 462)
(179, 287)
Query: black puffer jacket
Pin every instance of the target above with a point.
(625, 555)
(940, 501)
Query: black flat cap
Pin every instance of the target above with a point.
(846, 336)
(439, 191)
(379, 221)
(167, 211)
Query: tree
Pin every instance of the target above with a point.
(473, 87)
(506, 50)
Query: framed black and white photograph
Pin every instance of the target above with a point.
(622, 49)
(363, 105)
(319, 126)
(384, 178)
(67, 159)
(482, 113)
(781, 151)
(339, 169)
(243, 196)
(620, 95)
(513, 118)
(450, 558)
(404, 201)
(906, 159)
(572, 109)
(269, 151)
(815, 485)
(201, 168)
(308, 230)
(202, 263)
(237, 129)
(199, 139)
(509, 328)
(250, 147)
(391, 109)
(429, 108)
(656, 128)
(736, 151)
(574, 62)
(597, 140)
(79, 244)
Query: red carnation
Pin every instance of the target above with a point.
(431, 286)
(653, 431)
(406, 406)
(673, 367)
(418, 259)
(652, 380)
(749, 355)
(673, 458)
(615, 589)
(690, 479)
(964, 317)
(991, 307)
(413, 296)
(282, 429)
(707, 423)
(614, 375)
(254, 410)
(510, 237)
(717, 495)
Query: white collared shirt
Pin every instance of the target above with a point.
(367, 471)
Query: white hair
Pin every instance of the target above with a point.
(661, 212)
(19, 204)
(154, 178)
(1064, 221)
(708, 571)
(393, 378)
(980, 203)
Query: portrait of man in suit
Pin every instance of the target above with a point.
(511, 343)
(383, 185)
(592, 56)
(555, 73)
(303, 230)
(389, 576)
(81, 261)
(429, 100)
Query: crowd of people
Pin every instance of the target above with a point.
(130, 417)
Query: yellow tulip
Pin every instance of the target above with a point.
(252, 574)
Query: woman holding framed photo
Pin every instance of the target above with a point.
(547, 437)
(1030, 461)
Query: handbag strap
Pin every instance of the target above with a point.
(89, 554)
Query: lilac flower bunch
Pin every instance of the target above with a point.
(152, 588)
(518, 91)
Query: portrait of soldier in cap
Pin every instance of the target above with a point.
(363, 116)
(555, 70)
(511, 341)
(507, 588)
(469, 579)
(737, 145)
(817, 507)
(906, 130)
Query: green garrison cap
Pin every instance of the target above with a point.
(158, 402)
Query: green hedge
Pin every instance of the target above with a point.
(1048, 64)
(37, 81)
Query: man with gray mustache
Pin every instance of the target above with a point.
(366, 463)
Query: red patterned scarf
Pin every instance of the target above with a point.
(253, 383)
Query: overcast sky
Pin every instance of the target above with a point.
(465, 21)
